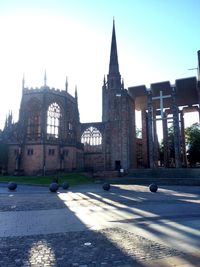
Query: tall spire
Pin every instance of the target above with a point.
(113, 66)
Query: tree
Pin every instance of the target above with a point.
(170, 141)
(192, 136)
(3, 154)
(138, 132)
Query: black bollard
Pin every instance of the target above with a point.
(153, 188)
(106, 186)
(53, 187)
(12, 186)
(65, 185)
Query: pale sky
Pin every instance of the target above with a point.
(157, 41)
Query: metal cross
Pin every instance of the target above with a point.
(161, 97)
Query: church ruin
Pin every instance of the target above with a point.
(49, 136)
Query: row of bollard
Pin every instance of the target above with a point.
(54, 187)
(152, 187)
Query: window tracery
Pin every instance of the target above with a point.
(53, 120)
(92, 140)
(34, 126)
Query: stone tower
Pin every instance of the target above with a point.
(118, 114)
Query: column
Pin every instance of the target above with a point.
(165, 141)
(155, 139)
(150, 129)
(144, 138)
(175, 112)
(183, 139)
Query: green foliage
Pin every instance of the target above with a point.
(71, 178)
(170, 143)
(192, 136)
(138, 132)
(3, 154)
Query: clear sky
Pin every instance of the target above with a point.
(157, 41)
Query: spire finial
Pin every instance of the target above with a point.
(104, 80)
(113, 66)
(45, 78)
(23, 81)
(122, 83)
(66, 84)
(76, 94)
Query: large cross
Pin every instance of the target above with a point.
(161, 97)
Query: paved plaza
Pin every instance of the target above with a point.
(87, 226)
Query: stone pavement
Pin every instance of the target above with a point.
(86, 226)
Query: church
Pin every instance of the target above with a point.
(49, 137)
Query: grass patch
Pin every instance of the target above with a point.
(71, 178)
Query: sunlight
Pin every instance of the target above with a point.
(184, 228)
(57, 44)
(37, 252)
(177, 193)
(190, 118)
(98, 211)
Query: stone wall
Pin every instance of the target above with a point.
(94, 161)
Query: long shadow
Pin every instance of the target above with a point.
(155, 215)
(80, 245)
(180, 200)
(180, 197)
(163, 212)
(69, 247)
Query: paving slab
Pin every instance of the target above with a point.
(87, 226)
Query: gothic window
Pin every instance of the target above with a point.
(53, 120)
(92, 140)
(33, 130)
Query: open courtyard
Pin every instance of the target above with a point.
(87, 226)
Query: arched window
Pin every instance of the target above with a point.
(33, 113)
(92, 140)
(34, 127)
(53, 120)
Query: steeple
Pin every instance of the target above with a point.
(114, 77)
(113, 66)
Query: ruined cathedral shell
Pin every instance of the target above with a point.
(49, 137)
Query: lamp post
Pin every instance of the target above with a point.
(195, 69)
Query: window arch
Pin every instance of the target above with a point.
(53, 120)
(33, 119)
(34, 126)
(92, 140)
